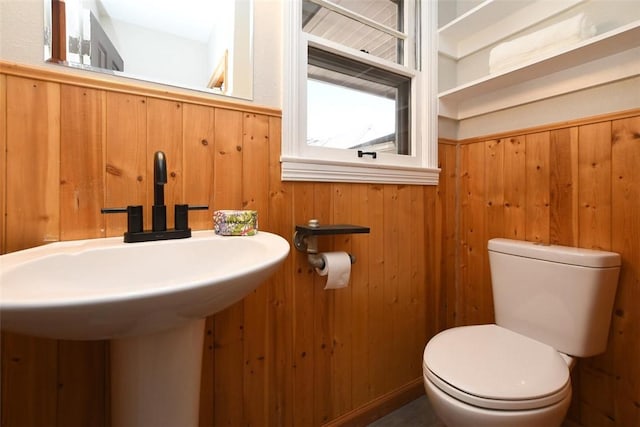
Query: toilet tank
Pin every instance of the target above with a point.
(558, 295)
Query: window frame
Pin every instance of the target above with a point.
(301, 162)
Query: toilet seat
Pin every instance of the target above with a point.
(492, 367)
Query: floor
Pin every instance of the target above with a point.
(414, 414)
(419, 414)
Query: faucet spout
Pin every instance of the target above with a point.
(159, 210)
(159, 177)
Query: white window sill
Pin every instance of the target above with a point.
(304, 169)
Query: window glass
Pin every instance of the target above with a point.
(353, 105)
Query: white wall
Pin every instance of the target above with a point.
(21, 40)
(616, 96)
(576, 102)
(178, 62)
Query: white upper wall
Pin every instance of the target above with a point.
(21, 23)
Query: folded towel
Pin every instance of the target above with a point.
(541, 42)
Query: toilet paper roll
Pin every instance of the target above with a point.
(337, 268)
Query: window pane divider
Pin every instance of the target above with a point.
(340, 50)
(360, 18)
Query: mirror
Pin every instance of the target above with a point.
(205, 45)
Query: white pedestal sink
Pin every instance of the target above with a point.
(150, 299)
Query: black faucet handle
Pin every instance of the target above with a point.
(182, 215)
(134, 217)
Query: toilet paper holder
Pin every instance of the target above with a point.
(305, 238)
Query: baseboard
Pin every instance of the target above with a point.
(380, 406)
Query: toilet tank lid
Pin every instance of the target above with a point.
(556, 253)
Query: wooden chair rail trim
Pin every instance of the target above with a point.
(124, 85)
(553, 126)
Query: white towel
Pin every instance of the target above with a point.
(541, 42)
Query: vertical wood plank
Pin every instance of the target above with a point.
(229, 326)
(563, 213)
(29, 381)
(433, 292)
(563, 184)
(360, 245)
(537, 196)
(81, 370)
(304, 353)
(409, 234)
(624, 340)
(33, 162)
(228, 159)
(596, 404)
(440, 227)
(478, 306)
(82, 131)
(281, 375)
(390, 285)
(422, 288)
(465, 213)
(495, 187)
(594, 193)
(198, 144)
(82, 384)
(29, 365)
(594, 231)
(164, 133)
(514, 196)
(342, 339)
(323, 314)
(255, 195)
(447, 199)
(125, 157)
(207, 378)
(378, 326)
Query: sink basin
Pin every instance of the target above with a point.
(150, 299)
(104, 288)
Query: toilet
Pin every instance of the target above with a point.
(552, 304)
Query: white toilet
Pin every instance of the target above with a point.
(552, 303)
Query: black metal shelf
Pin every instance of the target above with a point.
(324, 230)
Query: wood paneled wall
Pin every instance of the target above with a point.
(291, 353)
(575, 185)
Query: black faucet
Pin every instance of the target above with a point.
(135, 229)
(159, 209)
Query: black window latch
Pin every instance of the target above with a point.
(373, 154)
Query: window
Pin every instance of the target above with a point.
(360, 102)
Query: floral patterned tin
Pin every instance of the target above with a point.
(235, 222)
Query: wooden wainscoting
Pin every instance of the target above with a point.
(573, 184)
(290, 354)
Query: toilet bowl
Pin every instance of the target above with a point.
(550, 302)
(489, 376)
